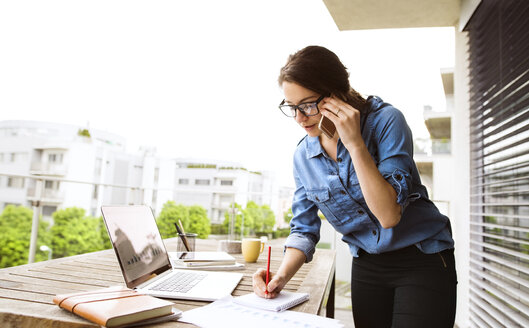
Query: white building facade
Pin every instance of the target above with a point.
(55, 166)
(435, 160)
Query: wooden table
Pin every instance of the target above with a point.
(26, 291)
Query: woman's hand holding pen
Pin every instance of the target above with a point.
(275, 285)
(346, 118)
(293, 259)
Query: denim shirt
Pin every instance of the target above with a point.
(333, 188)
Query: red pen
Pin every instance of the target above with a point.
(268, 269)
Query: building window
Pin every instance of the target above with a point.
(183, 181)
(16, 157)
(156, 174)
(226, 182)
(55, 158)
(48, 210)
(53, 185)
(95, 192)
(14, 182)
(154, 196)
(202, 182)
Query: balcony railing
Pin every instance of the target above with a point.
(46, 195)
(433, 146)
(441, 146)
(48, 169)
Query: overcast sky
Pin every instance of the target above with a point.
(199, 78)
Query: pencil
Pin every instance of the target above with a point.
(182, 236)
(268, 269)
(181, 226)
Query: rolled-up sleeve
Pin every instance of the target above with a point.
(395, 152)
(305, 224)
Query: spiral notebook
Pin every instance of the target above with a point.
(285, 300)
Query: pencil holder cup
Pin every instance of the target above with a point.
(186, 238)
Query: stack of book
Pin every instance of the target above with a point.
(204, 261)
(117, 307)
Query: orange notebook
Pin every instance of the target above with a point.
(114, 306)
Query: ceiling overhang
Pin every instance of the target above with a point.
(381, 14)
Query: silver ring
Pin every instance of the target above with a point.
(338, 112)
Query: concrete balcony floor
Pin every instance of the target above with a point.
(342, 305)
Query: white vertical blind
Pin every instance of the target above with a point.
(499, 135)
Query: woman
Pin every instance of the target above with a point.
(366, 184)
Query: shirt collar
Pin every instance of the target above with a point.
(313, 147)
(373, 102)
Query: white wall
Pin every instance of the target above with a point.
(147, 181)
(460, 180)
(443, 167)
(80, 161)
(166, 183)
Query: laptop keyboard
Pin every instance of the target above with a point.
(180, 282)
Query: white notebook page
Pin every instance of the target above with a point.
(283, 301)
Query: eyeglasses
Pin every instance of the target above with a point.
(307, 108)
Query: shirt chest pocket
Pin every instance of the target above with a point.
(328, 206)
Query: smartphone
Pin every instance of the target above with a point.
(327, 127)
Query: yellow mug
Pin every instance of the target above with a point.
(251, 248)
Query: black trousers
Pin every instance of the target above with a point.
(404, 289)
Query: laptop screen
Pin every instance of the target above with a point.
(136, 241)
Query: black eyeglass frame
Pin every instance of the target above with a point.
(297, 109)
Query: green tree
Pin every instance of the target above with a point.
(198, 222)
(256, 218)
(15, 234)
(237, 220)
(83, 133)
(75, 233)
(269, 218)
(194, 219)
(254, 215)
(170, 215)
(263, 217)
(104, 233)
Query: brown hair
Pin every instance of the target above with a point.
(320, 70)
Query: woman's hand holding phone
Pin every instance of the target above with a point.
(346, 121)
(327, 127)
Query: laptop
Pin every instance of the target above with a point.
(145, 263)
